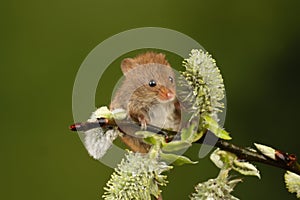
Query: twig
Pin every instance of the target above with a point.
(125, 126)
(289, 161)
(283, 160)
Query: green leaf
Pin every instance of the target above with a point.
(191, 135)
(187, 133)
(176, 159)
(222, 159)
(198, 135)
(216, 159)
(175, 146)
(214, 127)
(150, 137)
(245, 168)
(151, 140)
(226, 160)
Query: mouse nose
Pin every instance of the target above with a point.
(170, 95)
(166, 94)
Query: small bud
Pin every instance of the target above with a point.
(265, 150)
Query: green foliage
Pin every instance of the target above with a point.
(167, 151)
(176, 159)
(222, 186)
(226, 160)
(191, 135)
(210, 124)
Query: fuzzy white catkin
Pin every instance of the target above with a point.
(219, 188)
(96, 141)
(205, 79)
(292, 181)
(138, 176)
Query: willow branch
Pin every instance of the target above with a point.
(283, 160)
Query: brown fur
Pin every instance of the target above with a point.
(146, 58)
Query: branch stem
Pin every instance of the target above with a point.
(254, 156)
(127, 126)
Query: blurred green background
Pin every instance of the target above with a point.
(43, 43)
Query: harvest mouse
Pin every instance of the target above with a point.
(148, 94)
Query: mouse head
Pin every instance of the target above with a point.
(151, 77)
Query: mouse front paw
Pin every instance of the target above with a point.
(143, 121)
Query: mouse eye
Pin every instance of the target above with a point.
(152, 83)
(171, 79)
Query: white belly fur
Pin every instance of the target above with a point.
(162, 115)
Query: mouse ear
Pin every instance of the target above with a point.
(127, 64)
